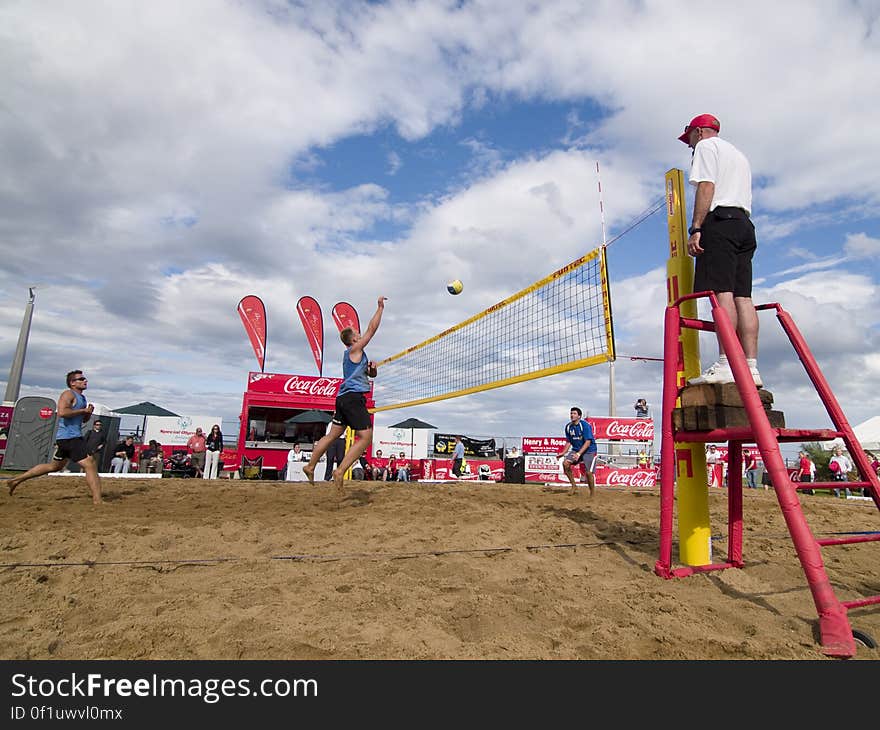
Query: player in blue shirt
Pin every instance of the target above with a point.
(579, 435)
(73, 411)
(351, 401)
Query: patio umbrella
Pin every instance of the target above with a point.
(412, 424)
(145, 409)
(311, 416)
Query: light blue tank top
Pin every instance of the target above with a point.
(71, 428)
(354, 375)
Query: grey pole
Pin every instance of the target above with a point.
(14, 383)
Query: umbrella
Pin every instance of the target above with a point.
(311, 416)
(145, 409)
(411, 424)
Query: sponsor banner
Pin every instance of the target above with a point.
(394, 440)
(303, 385)
(175, 431)
(5, 420)
(442, 469)
(313, 323)
(624, 429)
(253, 316)
(444, 443)
(345, 315)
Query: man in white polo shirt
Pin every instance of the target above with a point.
(722, 237)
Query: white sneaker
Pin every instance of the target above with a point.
(715, 373)
(756, 376)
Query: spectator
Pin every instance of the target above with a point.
(840, 465)
(335, 453)
(197, 448)
(457, 457)
(641, 408)
(124, 451)
(359, 468)
(402, 468)
(751, 462)
(379, 471)
(297, 454)
(643, 460)
(152, 458)
(391, 468)
(95, 440)
(213, 445)
(805, 470)
(714, 466)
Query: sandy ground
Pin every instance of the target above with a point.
(183, 569)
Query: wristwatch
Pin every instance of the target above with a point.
(693, 229)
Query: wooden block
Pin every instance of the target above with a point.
(709, 418)
(719, 394)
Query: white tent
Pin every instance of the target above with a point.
(867, 433)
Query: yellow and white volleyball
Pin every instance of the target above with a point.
(454, 287)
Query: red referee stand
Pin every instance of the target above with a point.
(836, 634)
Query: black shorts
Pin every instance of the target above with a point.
(728, 241)
(75, 449)
(351, 411)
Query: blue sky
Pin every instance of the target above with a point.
(163, 160)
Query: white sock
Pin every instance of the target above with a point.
(753, 362)
(722, 360)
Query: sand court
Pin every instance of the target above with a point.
(188, 569)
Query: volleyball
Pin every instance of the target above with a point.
(454, 287)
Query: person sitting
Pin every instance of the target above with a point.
(391, 469)
(379, 469)
(152, 459)
(124, 453)
(402, 468)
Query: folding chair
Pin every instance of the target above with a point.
(251, 468)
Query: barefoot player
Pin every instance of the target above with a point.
(73, 411)
(579, 435)
(351, 401)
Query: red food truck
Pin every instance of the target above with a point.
(268, 405)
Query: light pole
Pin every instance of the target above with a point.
(14, 383)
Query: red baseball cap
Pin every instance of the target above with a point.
(703, 120)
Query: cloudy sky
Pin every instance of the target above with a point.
(162, 160)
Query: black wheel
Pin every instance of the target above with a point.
(864, 638)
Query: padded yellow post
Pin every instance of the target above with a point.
(694, 529)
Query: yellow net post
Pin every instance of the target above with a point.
(694, 529)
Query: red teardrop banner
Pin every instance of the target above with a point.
(253, 316)
(345, 315)
(313, 323)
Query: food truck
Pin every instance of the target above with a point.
(269, 403)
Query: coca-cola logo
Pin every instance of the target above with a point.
(319, 386)
(46, 413)
(631, 478)
(640, 430)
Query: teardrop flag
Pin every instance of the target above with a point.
(253, 316)
(345, 315)
(313, 323)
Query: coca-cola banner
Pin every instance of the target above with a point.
(253, 316)
(444, 443)
(345, 315)
(279, 384)
(313, 323)
(625, 429)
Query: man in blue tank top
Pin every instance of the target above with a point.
(351, 400)
(73, 411)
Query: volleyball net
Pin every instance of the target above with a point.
(560, 323)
